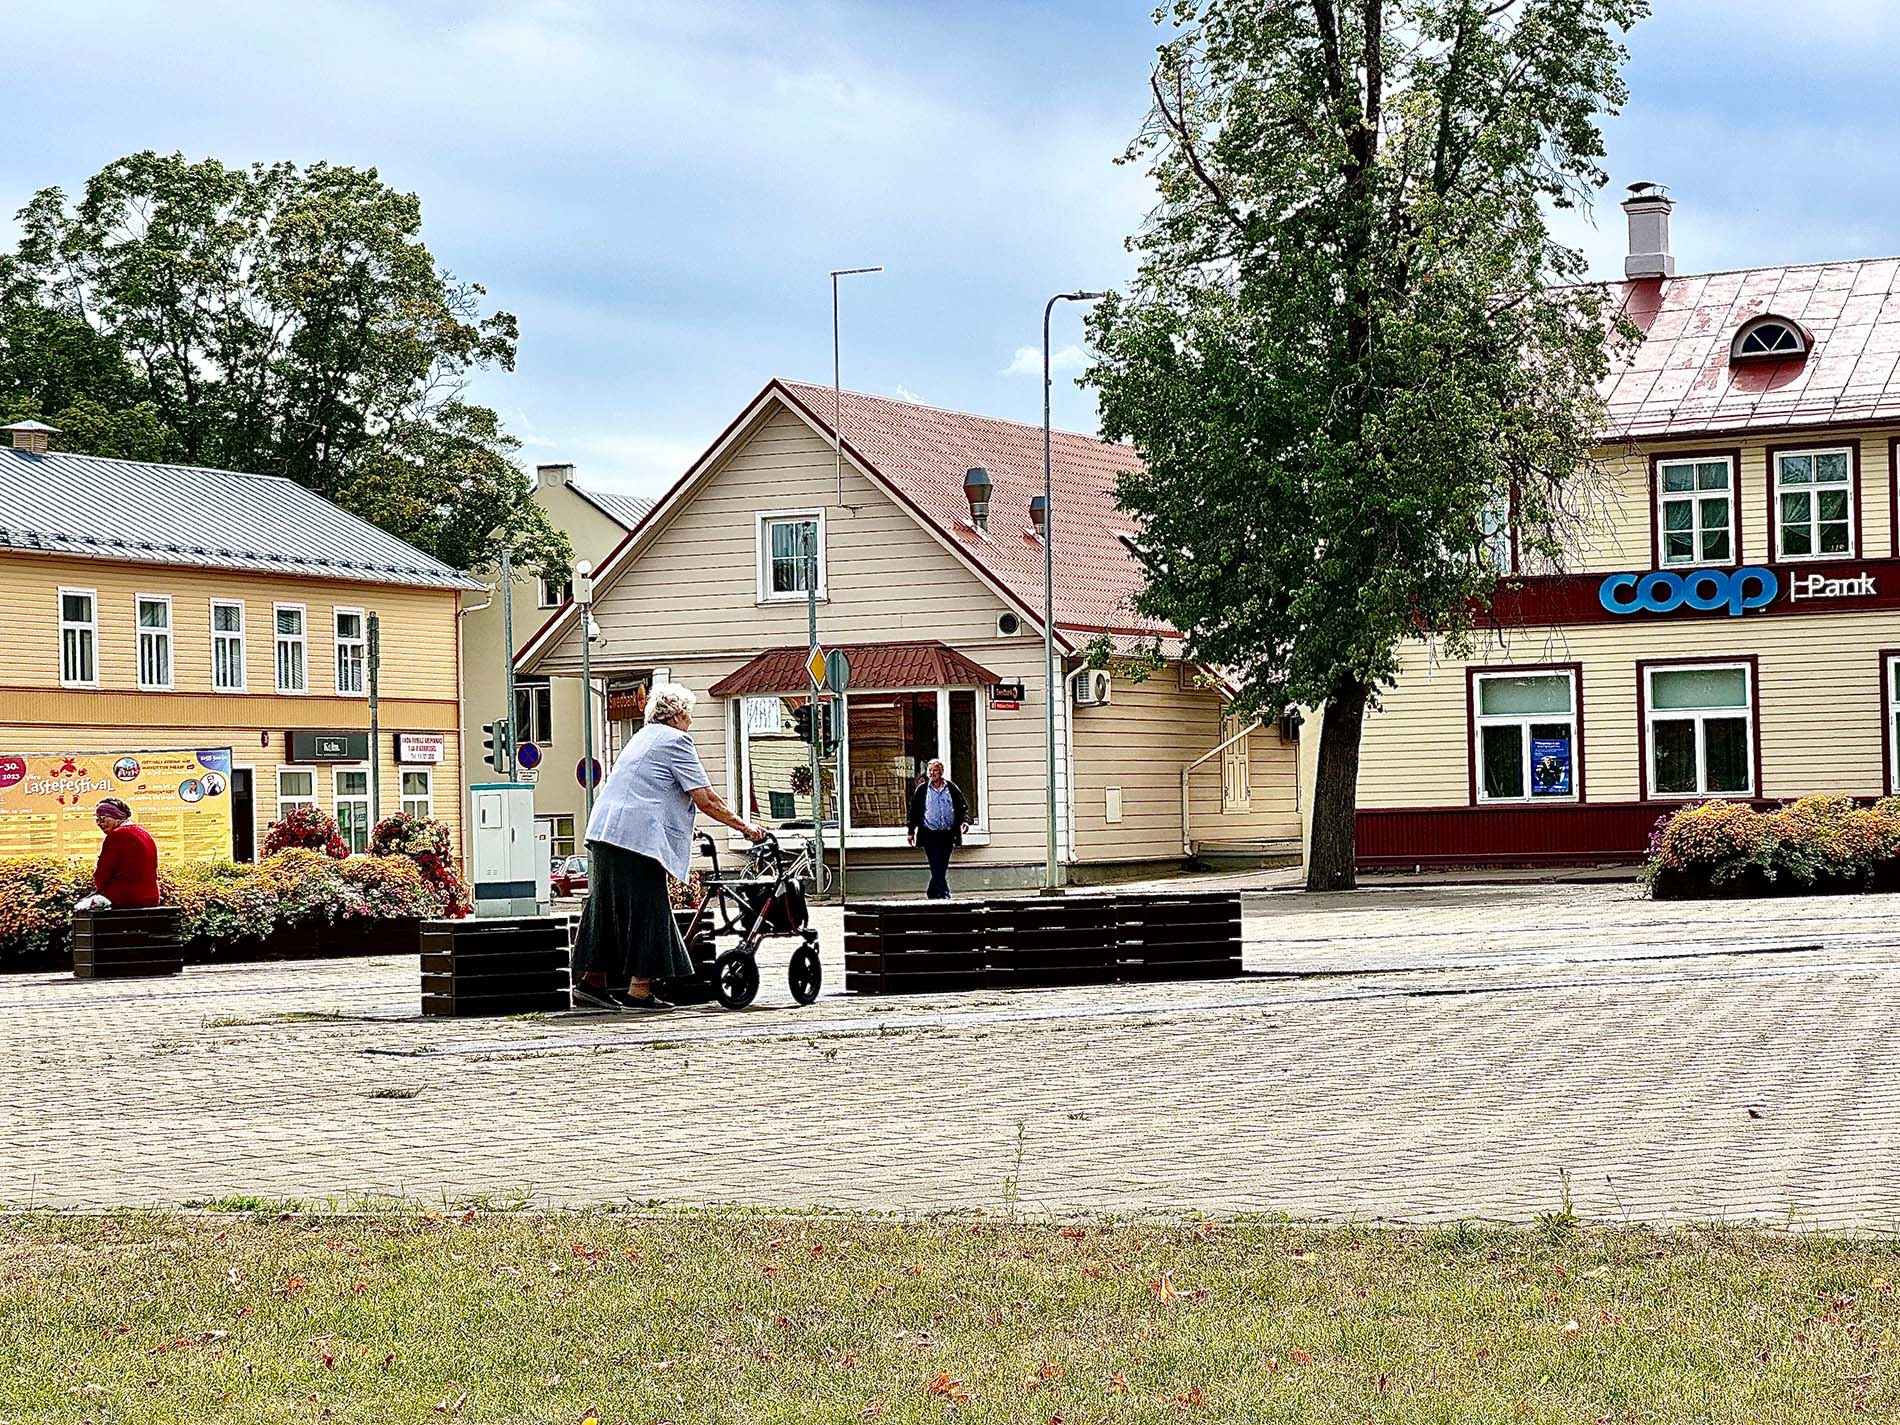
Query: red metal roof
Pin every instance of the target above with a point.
(875, 667)
(1679, 380)
(922, 452)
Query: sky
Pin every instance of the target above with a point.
(657, 191)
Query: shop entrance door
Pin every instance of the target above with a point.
(243, 816)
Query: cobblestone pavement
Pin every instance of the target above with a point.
(1412, 1053)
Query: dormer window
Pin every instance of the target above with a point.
(1769, 338)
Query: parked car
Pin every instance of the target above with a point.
(569, 876)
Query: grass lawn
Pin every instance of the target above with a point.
(433, 1317)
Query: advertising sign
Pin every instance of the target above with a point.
(181, 797)
(419, 748)
(1663, 590)
(1550, 766)
(1006, 697)
(309, 746)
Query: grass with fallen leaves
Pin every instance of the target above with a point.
(488, 1317)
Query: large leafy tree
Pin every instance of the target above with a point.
(1354, 351)
(275, 319)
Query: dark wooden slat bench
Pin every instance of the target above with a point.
(492, 967)
(127, 944)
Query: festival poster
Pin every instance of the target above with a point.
(182, 797)
(1550, 766)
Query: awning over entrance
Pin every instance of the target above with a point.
(875, 667)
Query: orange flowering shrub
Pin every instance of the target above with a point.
(1823, 840)
(36, 903)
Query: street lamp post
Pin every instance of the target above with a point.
(584, 601)
(1051, 872)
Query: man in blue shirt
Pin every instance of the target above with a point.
(939, 815)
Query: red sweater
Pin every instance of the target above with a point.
(127, 873)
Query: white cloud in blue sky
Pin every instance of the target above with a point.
(657, 191)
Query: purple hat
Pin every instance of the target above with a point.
(112, 806)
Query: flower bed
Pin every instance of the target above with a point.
(1816, 845)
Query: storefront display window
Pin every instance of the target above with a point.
(1526, 730)
(1700, 730)
(776, 761)
(1696, 510)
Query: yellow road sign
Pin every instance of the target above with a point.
(815, 665)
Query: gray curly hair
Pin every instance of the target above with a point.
(668, 701)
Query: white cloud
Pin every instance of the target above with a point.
(904, 393)
(1028, 360)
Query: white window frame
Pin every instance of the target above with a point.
(279, 639)
(285, 803)
(550, 598)
(762, 551)
(1699, 716)
(1812, 491)
(161, 637)
(1889, 669)
(533, 728)
(337, 773)
(1694, 497)
(740, 763)
(73, 626)
(404, 799)
(1480, 720)
(1236, 771)
(225, 636)
(339, 643)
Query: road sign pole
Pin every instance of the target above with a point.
(817, 762)
(508, 649)
(838, 676)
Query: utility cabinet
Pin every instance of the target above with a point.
(502, 849)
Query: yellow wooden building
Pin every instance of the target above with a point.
(1730, 624)
(148, 608)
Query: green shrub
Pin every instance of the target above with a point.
(36, 904)
(1821, 842)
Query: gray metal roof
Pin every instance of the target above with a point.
(625, 510)
(181, 514)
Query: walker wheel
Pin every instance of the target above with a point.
(735, 979)
(807, 974)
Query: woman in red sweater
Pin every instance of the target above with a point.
(127, 873)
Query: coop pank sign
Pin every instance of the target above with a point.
(1734, 591)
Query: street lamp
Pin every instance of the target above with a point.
(584, 601)
(1050, 871)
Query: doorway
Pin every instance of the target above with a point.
(243, 815)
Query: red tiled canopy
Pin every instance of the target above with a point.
(875, 667)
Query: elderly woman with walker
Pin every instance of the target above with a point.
(641, 832)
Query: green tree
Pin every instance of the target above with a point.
(1354, 353)
(277, 319)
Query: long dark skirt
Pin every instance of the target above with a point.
(627, 928)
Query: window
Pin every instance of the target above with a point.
(534, 711)
(155, 640)
(553, 595)
(296, 787)
(1525, 725)
(1697, 510)
(1700, 730)
(78, 638)
(352, 806)
(789, 546)
(227, 646)
(1495, 532)
(561, 836)
(349, 651)
(290, 648)
(777, 762)
(1814, 504)
(1236, 793)
(1890, 680)
(1768, 339)
(418, 793)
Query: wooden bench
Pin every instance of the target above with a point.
(494, 966)
(127, 944)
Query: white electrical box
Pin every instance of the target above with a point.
(502, 850)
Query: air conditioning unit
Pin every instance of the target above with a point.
(1008, 625)
(1091, 687)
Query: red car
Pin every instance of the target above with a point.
(569, 876)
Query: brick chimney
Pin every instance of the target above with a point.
(1648, 206)
(34, 437)
(554, 474)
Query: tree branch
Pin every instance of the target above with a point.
(1176, 121)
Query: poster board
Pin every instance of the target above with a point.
(182, 797)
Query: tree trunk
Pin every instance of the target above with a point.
(1330, 855)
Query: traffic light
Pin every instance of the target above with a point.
(801, 721)
(495, 749)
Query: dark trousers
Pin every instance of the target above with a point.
(937, 848)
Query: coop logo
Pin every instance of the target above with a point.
(1659, 592)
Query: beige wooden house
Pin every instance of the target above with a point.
(157, 607)
(938, 605)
